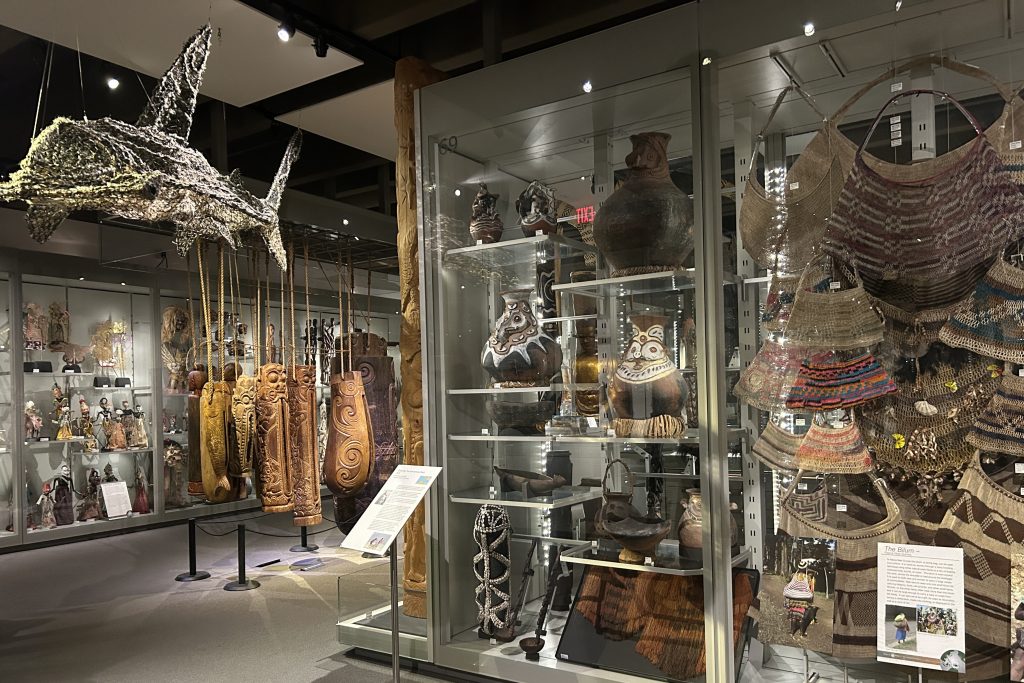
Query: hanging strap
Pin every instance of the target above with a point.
(792, 87)
(627, 478)
(1008, 94)
(206, 310)
(911, 93)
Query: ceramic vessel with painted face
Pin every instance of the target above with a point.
(647, 383)
(519, 353)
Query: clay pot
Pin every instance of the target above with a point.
(690, 527)
(485, 225)
(639, 534)
(646, 226)
(519, 353)
(646, 382)
(536, 484)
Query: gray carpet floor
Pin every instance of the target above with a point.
(109, 609)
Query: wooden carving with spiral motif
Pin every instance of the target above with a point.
(350, 449)
(214, 415)
(305, 460)
(243, 409)
(272, 426)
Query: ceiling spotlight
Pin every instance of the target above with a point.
(80, 279)
(344, 221)
(899, 4)
(705, 61)
(587, 86)
(123, 284)
(458, 192)
(112, 83)
(285, 32)
(320, 46)
(583, 177)
(809, 29)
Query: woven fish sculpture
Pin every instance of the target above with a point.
(147, 171)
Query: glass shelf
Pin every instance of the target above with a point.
(128, 388)
(512, 252)
(646, 283)
(691, 437)
(521, 390)
(49, 443)
(559, 498)
(605, 553)
(55, 375)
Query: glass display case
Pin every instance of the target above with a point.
(542, 324)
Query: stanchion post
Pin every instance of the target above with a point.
(242, 584)
(396, 655)
(304, 546)
(192, 574)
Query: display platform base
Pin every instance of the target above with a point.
(305, 548)
(242, 585)
(187, 578)
(660, 427)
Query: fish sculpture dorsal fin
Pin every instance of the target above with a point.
(273, 199)
(173, 101)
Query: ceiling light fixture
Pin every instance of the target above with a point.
(809, 29)
(285, 32)
(705, 61)
(344, 221)
(112, 83)
(80, 279)
(899, 4)
(123, 284)
(587, 86)
(458, 192)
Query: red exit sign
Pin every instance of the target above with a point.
(585, 214)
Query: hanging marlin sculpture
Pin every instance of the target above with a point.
(147, 171)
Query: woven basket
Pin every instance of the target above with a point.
(783, 231)
(833, 451)
(777, 447)
(909, 333)
(837, 319)
(829, 382)
(1000, 427)
(766, 382)
(990, 322)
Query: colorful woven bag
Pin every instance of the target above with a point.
(833, 450)
(828, 382)
(990, 322)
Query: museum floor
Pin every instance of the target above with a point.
(109, 609)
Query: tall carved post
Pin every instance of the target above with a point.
(410, 75)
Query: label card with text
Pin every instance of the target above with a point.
(116, 501)
(921, 607)
(385, 516)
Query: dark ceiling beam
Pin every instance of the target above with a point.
(325, 88)
(378, 18)
(336, 171)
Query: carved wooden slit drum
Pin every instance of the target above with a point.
(350, 448)
(272, 426)
(305, 459)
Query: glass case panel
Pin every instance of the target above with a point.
(11, 523)
(88, 403)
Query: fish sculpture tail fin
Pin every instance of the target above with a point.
(272, 231)
(43, 219)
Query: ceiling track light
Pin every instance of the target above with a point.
(285, 31)
(113, 82)
(809, 29)
(320, 46)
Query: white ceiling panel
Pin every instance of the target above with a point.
(364, 119)
(247, 61)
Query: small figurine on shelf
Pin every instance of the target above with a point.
(62, 501)
(90, 508)
(114, 429)
(59, 326)
(127, 419)
(140, 505)
(32, 327)
(33, 421)
(139, 437)
(110, 473)
(63, 423)
(46, 505)
(485, 225)
(172, 425)
(174, 474)
(84, 427)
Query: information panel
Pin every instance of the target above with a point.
(921, 606)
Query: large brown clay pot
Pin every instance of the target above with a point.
(519, 353)
(646, 226)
